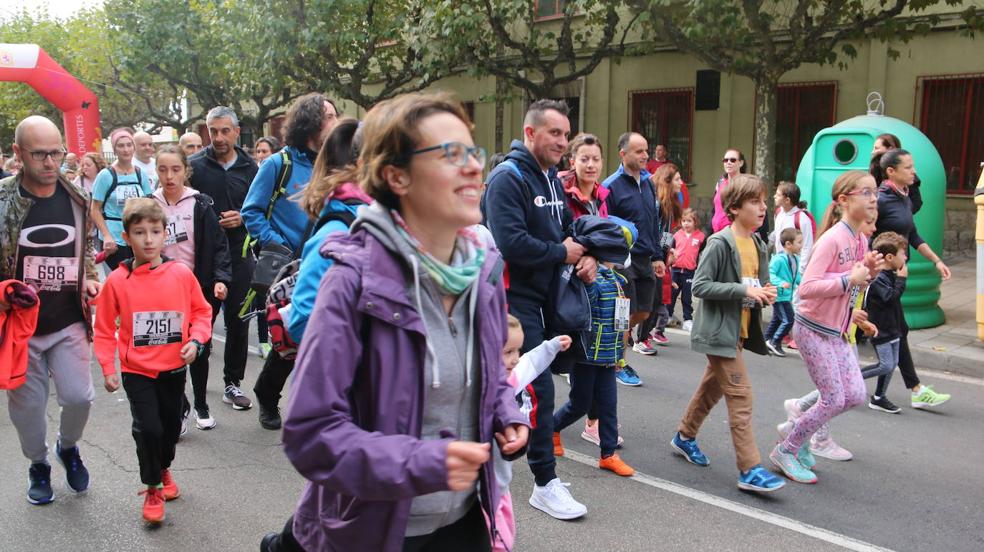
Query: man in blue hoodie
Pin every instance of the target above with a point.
(631, 196)
(525, 208)
(272, 217)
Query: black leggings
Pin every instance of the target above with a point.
(155, 405)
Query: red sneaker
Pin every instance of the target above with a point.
(558, 446)
(153, 508)
(171, 490)
(788, 342)
(615, 464)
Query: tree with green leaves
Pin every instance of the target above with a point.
(361, 50)
(509, 40)
(765, 40)
(205, 49)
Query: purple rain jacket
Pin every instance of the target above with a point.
(355, 411)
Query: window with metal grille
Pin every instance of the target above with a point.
(546, 9)
(804, 109)
(666, 117)
(952, 117)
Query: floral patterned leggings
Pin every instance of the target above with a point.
(834, 370)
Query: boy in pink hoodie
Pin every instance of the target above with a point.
(164, 320)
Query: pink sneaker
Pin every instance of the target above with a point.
(827, 448)
(590, 434)
(792, 408)
(659, 338)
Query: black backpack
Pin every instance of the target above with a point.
(112, 188)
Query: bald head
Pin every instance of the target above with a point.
(190, 143)
(38, 136)
(143, 146)
(32, 126)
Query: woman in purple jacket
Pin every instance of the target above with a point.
(399, 389)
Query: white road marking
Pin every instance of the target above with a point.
(221, 339)
(825, 535)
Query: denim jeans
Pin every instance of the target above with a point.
(888, 359)
(782, 321)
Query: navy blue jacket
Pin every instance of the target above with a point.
(527, 213)
(636, 202)
(895, 214)
(883, 301)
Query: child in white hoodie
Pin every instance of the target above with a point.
(521, 371)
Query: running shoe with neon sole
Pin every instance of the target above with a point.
(170, 490)
(590, 434)
(827, 448)
(153, 508)
(659, 338)
(263, 350)
(790, 466)
(616, 465)
(927, 398)
(628, 376)
(688, 449)
(645, 347)
(760, 480)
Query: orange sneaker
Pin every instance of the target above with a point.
(615, 464)
(171, 490)
(153, 508)
(558, 446)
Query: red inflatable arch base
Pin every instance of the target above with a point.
(29, 64)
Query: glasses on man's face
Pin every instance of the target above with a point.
(729, 160)
(458, 153)
(866, 193)
(55, 155)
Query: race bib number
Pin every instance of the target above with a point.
(622, 314)
(124, 193)
(748, 302)
(176, 231)
(51, 273)
(157, 328)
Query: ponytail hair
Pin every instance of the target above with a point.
(791, 191)
(846, 183)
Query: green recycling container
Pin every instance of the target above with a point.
(847, 146)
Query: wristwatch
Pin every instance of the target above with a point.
(199, 347)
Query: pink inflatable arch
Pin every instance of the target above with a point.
(29, 64)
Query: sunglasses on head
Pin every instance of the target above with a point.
(730, 160)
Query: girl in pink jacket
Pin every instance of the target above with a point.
(839, 265)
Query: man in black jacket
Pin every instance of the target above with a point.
(526, 210)
(224, 171)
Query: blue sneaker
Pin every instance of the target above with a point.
(689, 449)
(628, 376)
(791, 466)
(760, 480)
(39, 492)
(75, 471)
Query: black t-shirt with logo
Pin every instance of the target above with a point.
(46, 260)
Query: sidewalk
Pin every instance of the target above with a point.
(953, 347)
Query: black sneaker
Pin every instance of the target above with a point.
(883, 404)
(270, 542)
(775, 348)
(270, 418)
(77, 474)
(39, 492)
(234, 395)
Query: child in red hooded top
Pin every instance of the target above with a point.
(164, 320)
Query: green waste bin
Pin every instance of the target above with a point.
(847, 146)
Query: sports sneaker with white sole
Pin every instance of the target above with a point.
(555, 500)
(204, 419)
(829, 449)
(234, 395)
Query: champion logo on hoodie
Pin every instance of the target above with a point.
(541, 201)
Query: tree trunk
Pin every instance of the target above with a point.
(766, 105)
(501, 87)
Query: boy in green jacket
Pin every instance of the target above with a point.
(732, 282)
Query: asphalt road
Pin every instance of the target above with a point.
(915, 483)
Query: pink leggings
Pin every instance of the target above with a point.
(834, 370)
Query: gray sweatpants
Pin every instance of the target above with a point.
(64, 355)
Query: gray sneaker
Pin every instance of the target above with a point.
(234, 395)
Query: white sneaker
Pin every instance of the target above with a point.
(793, 412)
(556, 500)
(687, 325)
(204, 419)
